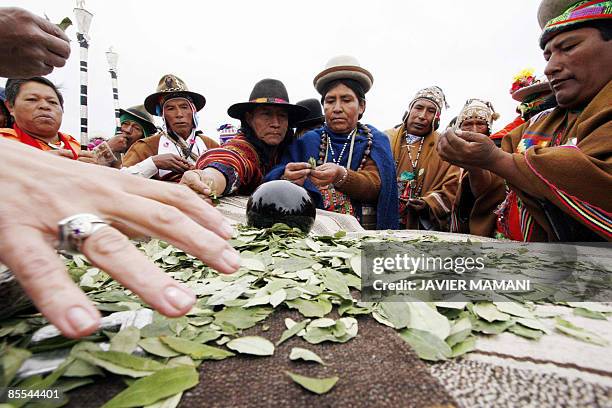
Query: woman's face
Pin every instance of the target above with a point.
(37, 110)
(342, 108)
(270, 123)
(3, 118)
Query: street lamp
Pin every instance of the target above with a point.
(112, 57)
(83, 18)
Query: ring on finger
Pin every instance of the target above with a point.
(74, 230)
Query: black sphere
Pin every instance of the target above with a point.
(281, 201)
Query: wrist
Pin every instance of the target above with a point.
(342, 179)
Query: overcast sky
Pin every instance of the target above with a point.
(470, 48)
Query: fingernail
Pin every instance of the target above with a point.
(231, 257)
(80, 319)
(228, 229)
(181, 298)
(458, 132)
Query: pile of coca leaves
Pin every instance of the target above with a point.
(281, 269)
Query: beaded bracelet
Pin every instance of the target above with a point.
(342, 179)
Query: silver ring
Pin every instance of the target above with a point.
(74, 230)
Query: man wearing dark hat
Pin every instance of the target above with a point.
(136, 123)
(314, 120)
(239, 166)
(426, 184)
(557, 166)
(171, 152)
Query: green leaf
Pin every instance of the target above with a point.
(12, 359)
(534, 324)
(278, 297)
(151, 389)
(170, 402)
(571, 330)
(241, 318)
(452, 305)
(64, 24)
(292, 331)
(397, 313)
(195, 350)
(153, 345)
(81, 368)
(592, 306)
(126, 340)
(316, 385)
(525, 332)
(427, 345)
(253, 264)
(514, 309)
(460, 331)
(464, 347)
(120, 363)
(298, 353)
(485, 327)
(334, 282)
(254, 345)
(488, 311)
(311, 308)
(426, 318)
(580, 311)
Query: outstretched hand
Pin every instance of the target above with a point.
(41, 189)
(467, 149)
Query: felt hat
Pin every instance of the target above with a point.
(271, 92)
(315, 116)
(141, 116)
(171, 86)
(343, 67)
(557, 16)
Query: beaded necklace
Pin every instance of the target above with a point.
(410, 178)
(334, 200)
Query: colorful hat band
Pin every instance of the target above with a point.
(268, 100)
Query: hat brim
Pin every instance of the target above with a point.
(150, 126)
(310, 122)
(523, 93)
(361, 75)
(296, 112)
(152, 100)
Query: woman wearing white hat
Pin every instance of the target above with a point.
(354, 172)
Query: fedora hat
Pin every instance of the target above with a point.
(523, 93)
(141, 116)
(343, 67)
(315, 116)
(271, 92)
(172, 86)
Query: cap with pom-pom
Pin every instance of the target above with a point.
(478, 109)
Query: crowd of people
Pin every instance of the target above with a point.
(546, 176)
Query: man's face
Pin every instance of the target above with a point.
(37, 110)
(421, 117)
(270, 123)
(475, 125)
(578, 66)
(132, 131)
(179, 116)
(342, 109)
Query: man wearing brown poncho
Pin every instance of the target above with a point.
(551, 180)
(426, 184)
